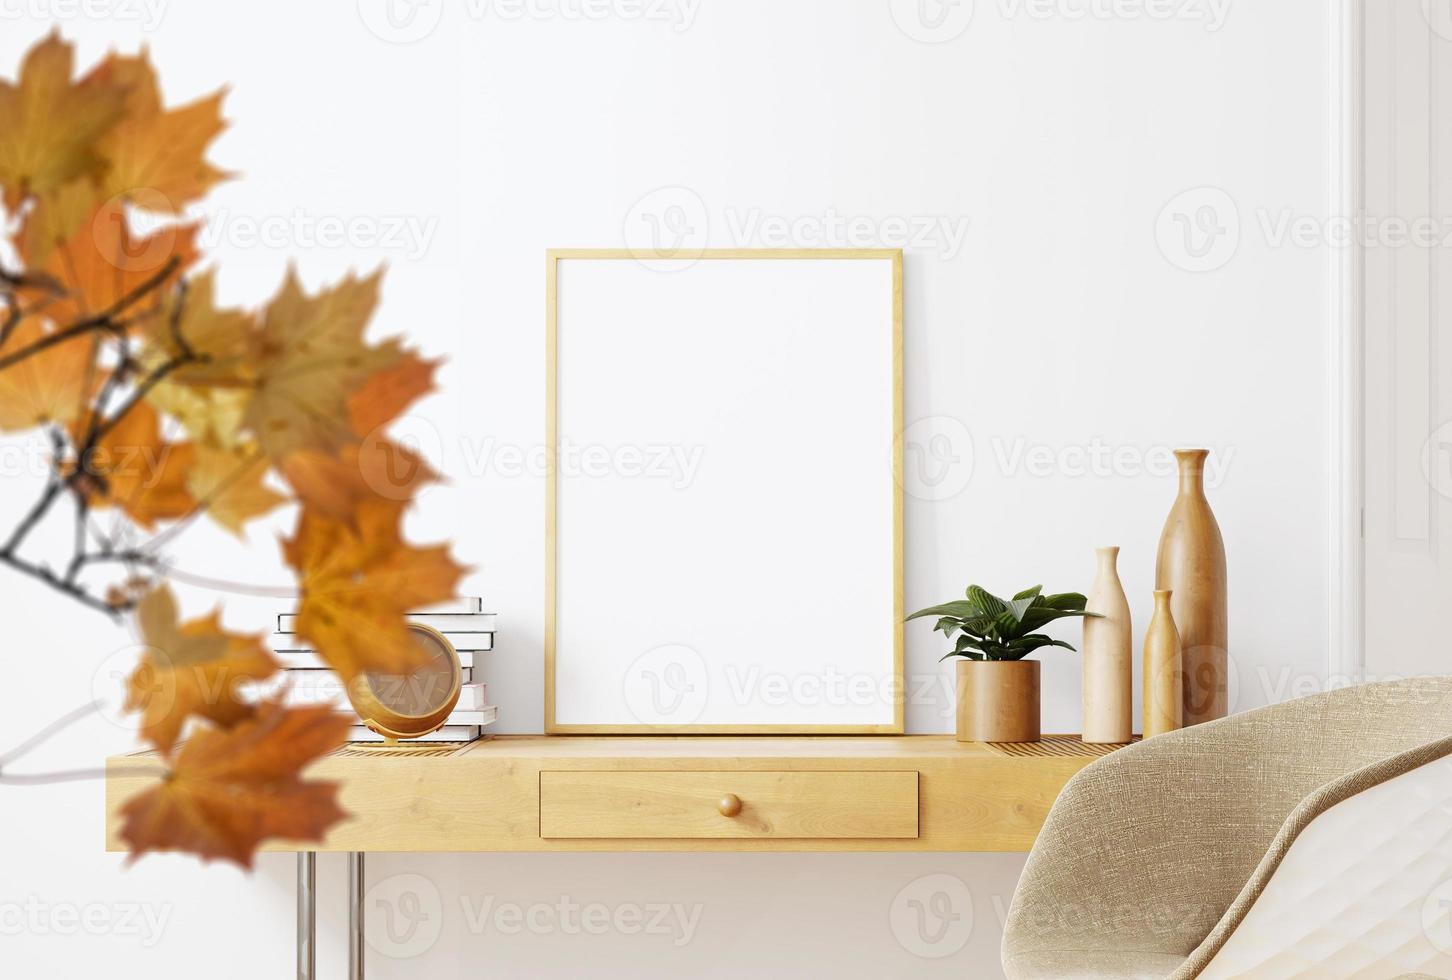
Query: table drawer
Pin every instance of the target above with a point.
(728, 804)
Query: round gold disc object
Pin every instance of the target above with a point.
(411, 705)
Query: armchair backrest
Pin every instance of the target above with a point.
(1146, 848)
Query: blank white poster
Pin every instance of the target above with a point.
(725, 524)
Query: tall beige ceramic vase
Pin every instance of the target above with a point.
(1191, 563)
(1163, 677)
(1108, 652)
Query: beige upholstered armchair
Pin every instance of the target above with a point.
(1311, 839)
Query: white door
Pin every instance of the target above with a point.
(1407, 377)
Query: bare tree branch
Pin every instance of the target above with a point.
(42, 506)
(236, 588)
(78, 548)
(39, 738)
(13, 315)
(60, 724)
(71, 589)
(103, 321)
(31, 280)
(78, 481)
(47, 778)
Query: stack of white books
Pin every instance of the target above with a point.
(306, 680)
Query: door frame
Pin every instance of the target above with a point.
(1347, 632)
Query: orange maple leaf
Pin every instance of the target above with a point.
(156, 158)
(102, 263)
(358, 580)
(51, 124)
(334, 486)
(311, 357)
(222, 338)
(229, 483)
(153, 158)
(381, 398)
(134, 468)
(229, 790)
(192, 668)
(211, 416)
(47, 386)
(53, 217)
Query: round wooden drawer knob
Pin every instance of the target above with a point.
(730, 805)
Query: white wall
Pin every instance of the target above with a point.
(1058, 324)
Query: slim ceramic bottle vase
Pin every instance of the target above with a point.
(1191, 563)
(1163, 677)
(1108, 653)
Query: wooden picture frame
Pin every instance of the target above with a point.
(848, 298)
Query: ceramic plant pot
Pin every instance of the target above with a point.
(998, 700)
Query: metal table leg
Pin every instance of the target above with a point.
(307, 923)
(355, 915)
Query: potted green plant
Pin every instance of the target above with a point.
(997, 689)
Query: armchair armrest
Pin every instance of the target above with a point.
(1142, 852)
(1350, 882)
(1146, 849)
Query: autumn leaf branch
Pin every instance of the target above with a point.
(84, 478)
(105, 321)
(114, 349)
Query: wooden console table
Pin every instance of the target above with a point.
(658, 793)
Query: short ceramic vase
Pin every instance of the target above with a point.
(1164, 709)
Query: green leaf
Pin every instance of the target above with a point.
(968, 643)
(1007, 625)
(979, 625)
(1018, 607)
(990, 628)
(987, 603)
(1043, 615)
(1034, 641)
(959, 610)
